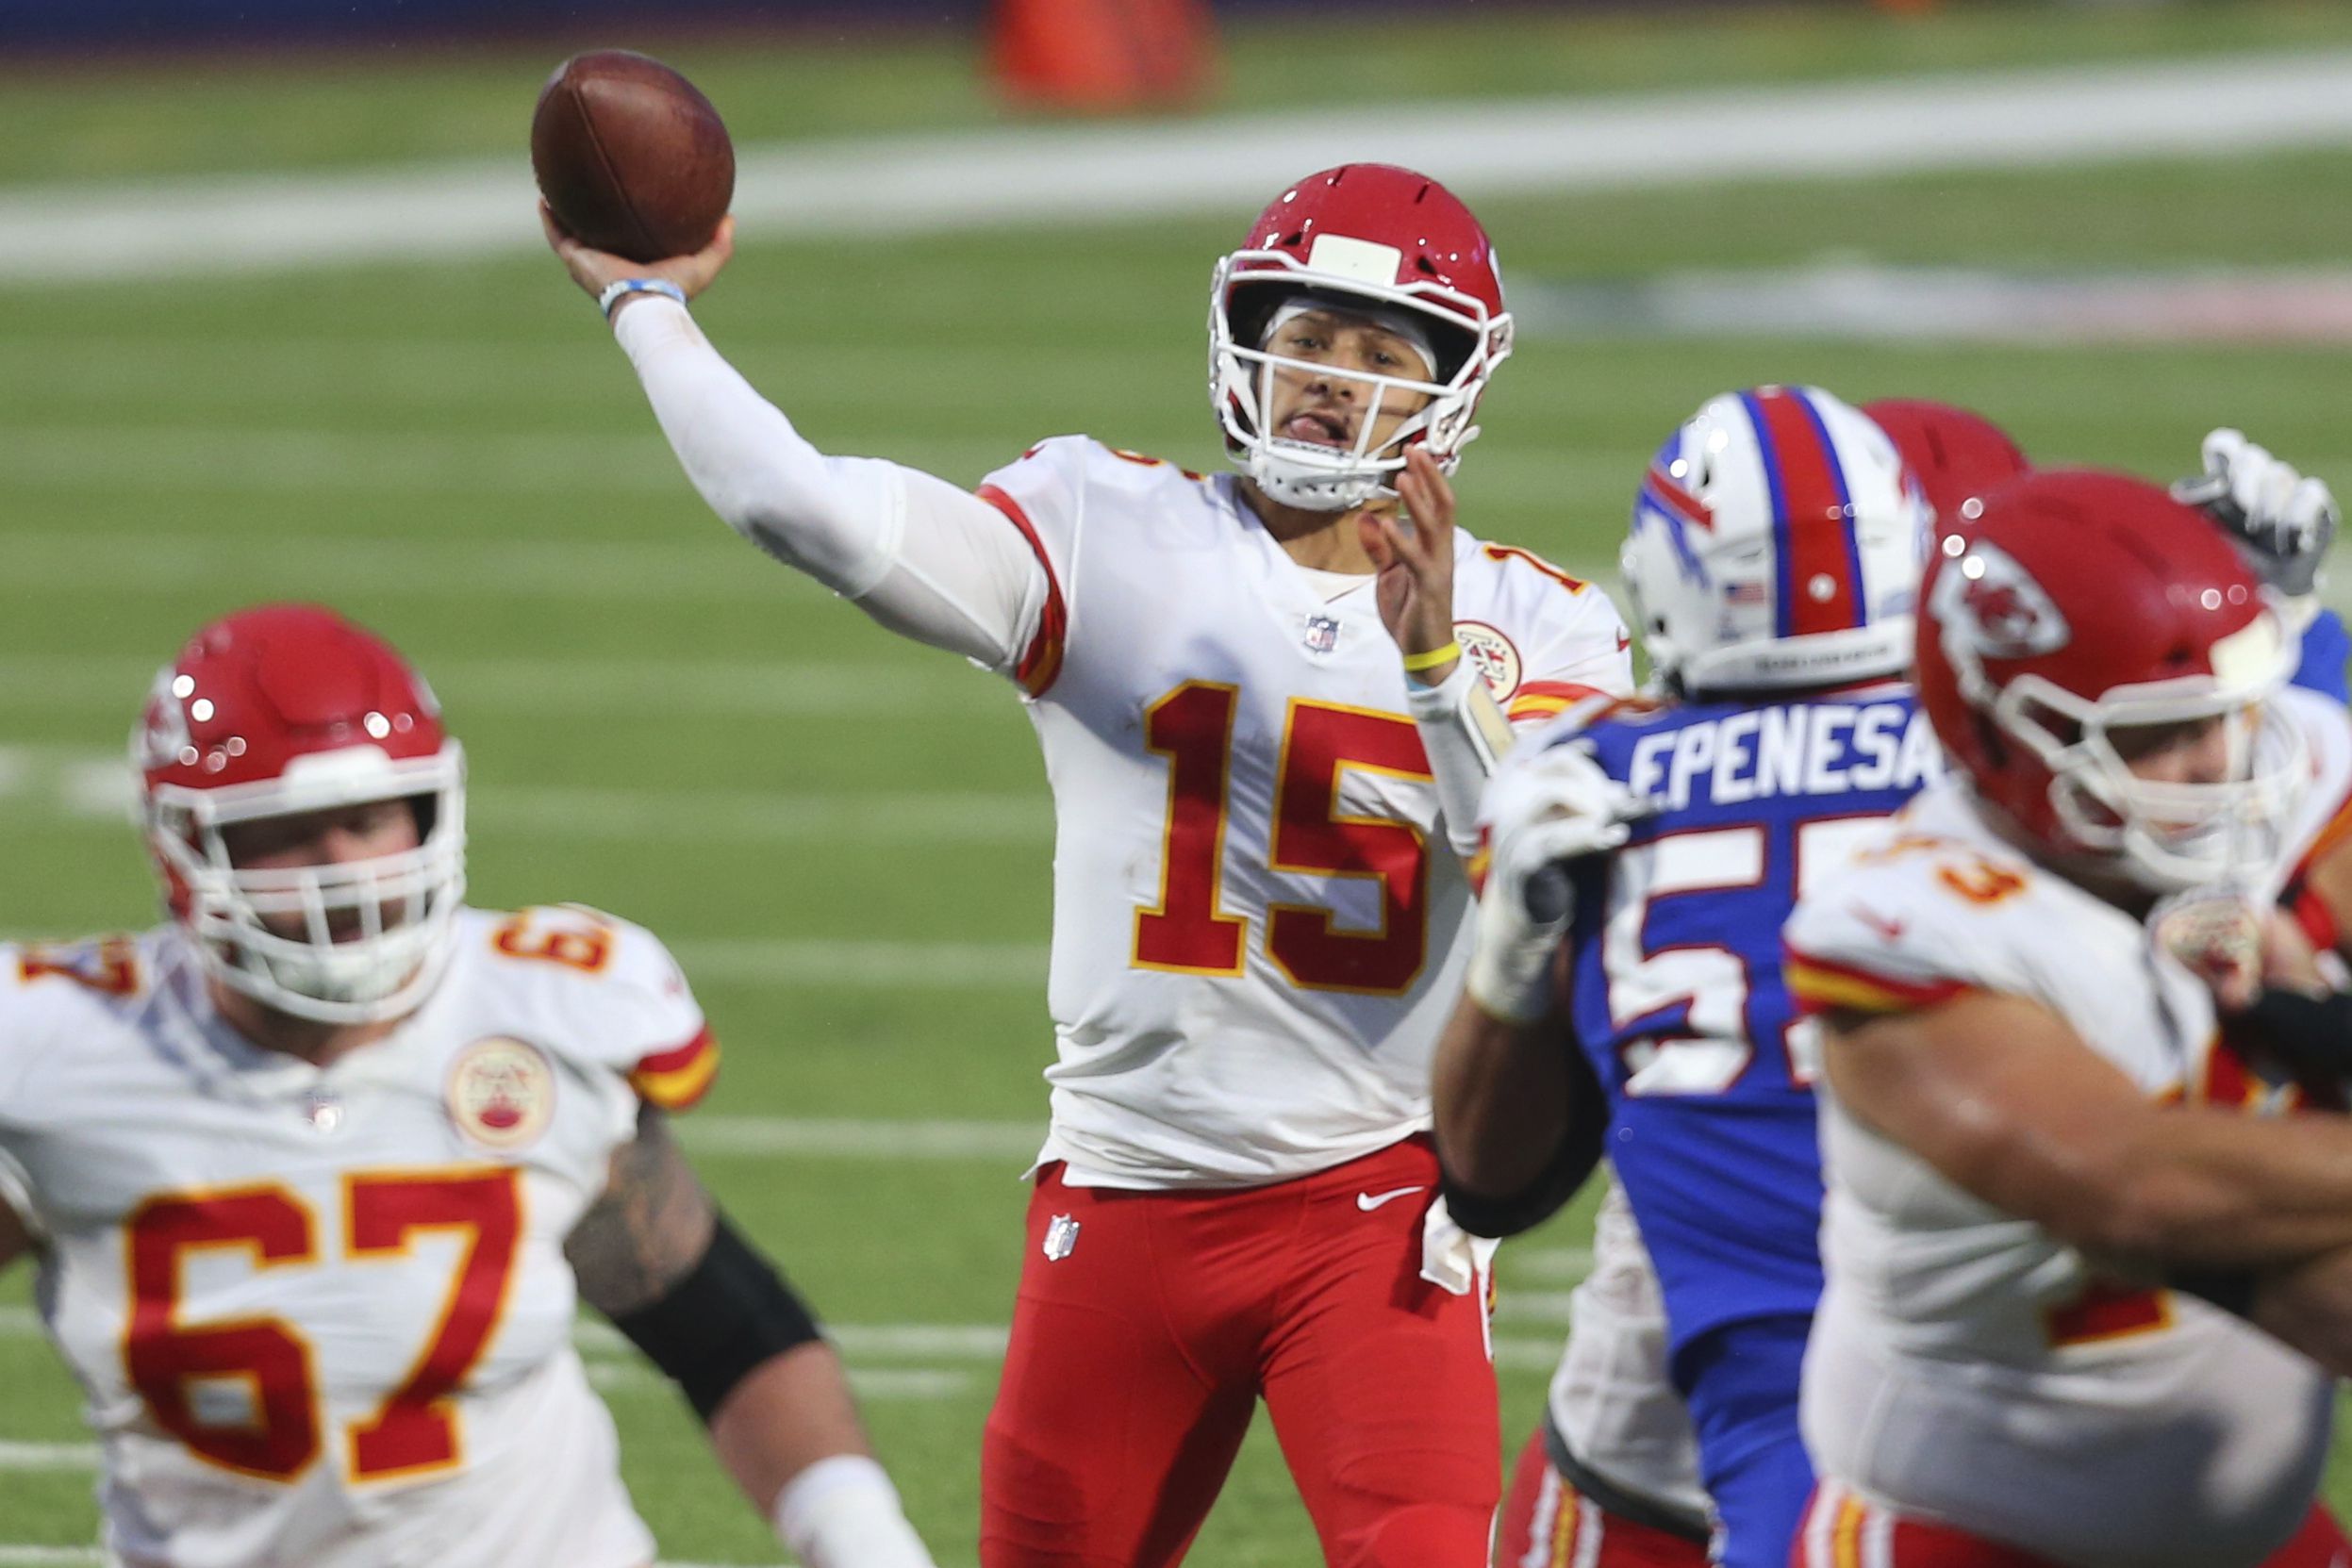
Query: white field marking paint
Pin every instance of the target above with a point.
(97, 786)
(749, 817)
(712, 567)
(1517, 1307)
(993, 178)
(48, 1456)
(950, 1342)
(697, 688)
(88, 1557)
(176, 459)
(1550, 1264)
(1528, 1355)
(913, 1384)
(73, 461)
(1865, 301)
(898, 966)
(844, 1138)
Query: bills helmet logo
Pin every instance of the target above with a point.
(1996, 609)
(502, 1093)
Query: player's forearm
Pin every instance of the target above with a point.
(2309, 1306)
(788, 1434)
(920, 557)
(787, 1413)
(1464, 734)
(1500, 1097)
(2209, 1189)
(755, 470)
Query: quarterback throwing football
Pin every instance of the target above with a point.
(315, 1170)
(1268, 704)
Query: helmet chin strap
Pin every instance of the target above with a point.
(1307, 488)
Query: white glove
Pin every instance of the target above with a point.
(2283, 520)
(841, 1512)
(1543, 808)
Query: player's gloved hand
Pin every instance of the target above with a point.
(1540, 812)
(2282, 519)
(2216, 934)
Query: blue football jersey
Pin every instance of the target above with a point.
(2326, 647)
(1678, 999)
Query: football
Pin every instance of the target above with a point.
(631, 156)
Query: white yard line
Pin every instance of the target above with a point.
(982, 179)
(48, 1456)
(897, 965)
(847, 1138)
(88, 1556)
(1548, 1264)
(936, 684)
(704, 570)
(79, 784)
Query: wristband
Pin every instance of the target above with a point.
(1431, 660)
(842, 1511)
(621, 288)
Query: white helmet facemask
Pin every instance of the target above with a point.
(1244, 380)
(347, 943)
(2167, 836)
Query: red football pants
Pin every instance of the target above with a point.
(1547, 1523)
(1139, 1355)
(1843, 1531)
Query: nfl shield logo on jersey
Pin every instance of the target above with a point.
(1061, 1238)
(1323, 634)
(502, 1093)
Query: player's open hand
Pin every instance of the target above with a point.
(593, 270)
(1415, 560)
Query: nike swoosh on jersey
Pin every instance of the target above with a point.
(1366, 1202)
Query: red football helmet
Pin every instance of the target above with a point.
(2075, 604)
(1384, 241)
(284, 709)
(1953, 453)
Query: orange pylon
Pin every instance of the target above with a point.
(1103, 55)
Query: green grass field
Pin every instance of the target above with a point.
(663, 724)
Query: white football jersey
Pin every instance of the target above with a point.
(1256, 917)
(1613, 1397)
(1967, 1366)
(322, 1316)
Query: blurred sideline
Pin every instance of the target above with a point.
(1062, 174)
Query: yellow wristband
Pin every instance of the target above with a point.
(1431, 660)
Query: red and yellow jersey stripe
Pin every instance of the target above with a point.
(676, 1079)
(1041, 661)
(1545, 699)
(1817, 985)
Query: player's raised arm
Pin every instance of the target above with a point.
(1518, 1112)
(922, 556)
(657, 1257)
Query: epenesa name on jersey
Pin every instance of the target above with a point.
(1824, 746)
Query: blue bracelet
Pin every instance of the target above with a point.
(616, 292)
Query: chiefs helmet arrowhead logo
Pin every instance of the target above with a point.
(1992, 605)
